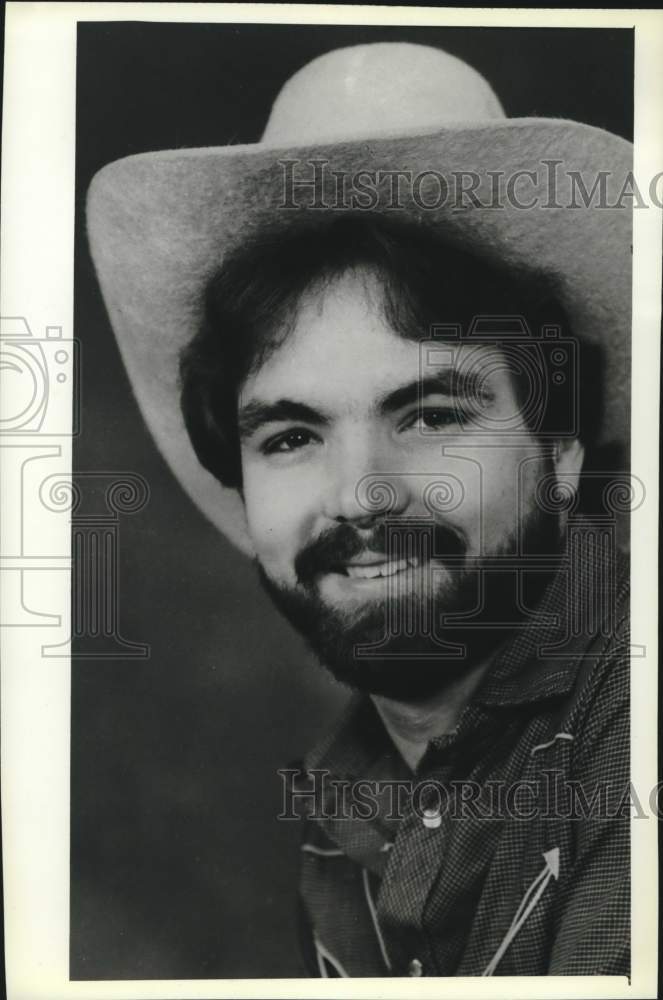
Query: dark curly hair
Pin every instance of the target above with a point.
(250, 307)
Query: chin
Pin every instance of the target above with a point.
(400, 675)
(375, 635)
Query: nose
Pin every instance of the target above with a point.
(355, 490)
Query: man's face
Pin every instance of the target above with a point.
(380, 477)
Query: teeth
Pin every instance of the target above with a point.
(380, 569)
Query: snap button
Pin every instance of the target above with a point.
(432, 818)
(415, 968)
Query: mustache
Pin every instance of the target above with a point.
(393, 539)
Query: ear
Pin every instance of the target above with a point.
(568, 456)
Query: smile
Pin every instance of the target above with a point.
(371, 571)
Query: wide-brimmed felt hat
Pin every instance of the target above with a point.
(161, 223)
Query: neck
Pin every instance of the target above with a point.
(412, 725)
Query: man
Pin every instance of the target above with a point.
(385, 379)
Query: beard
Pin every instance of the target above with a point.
(412, 642)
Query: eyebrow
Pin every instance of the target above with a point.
(459, 385)
(450, 382)
(256, 414)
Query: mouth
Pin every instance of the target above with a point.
(360, 570)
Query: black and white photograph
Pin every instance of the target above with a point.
(356, 379)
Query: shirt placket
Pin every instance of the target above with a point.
(419, 849)
(413, 867)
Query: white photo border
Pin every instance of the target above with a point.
(37, 284)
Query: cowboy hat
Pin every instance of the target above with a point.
(160, 223)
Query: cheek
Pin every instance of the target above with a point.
(268, 514)
(511, 476)
(497, 485)
(277, 520)
(454, 494)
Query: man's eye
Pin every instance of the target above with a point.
(436, 418)
(288, 441)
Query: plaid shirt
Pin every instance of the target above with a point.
(520, 866)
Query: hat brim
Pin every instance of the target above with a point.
(161, 223)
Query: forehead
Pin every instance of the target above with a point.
(342, 345)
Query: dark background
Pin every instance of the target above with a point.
(179, 866)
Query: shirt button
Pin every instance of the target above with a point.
(432, 818)
(415, 968)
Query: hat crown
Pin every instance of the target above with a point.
(377, 89)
